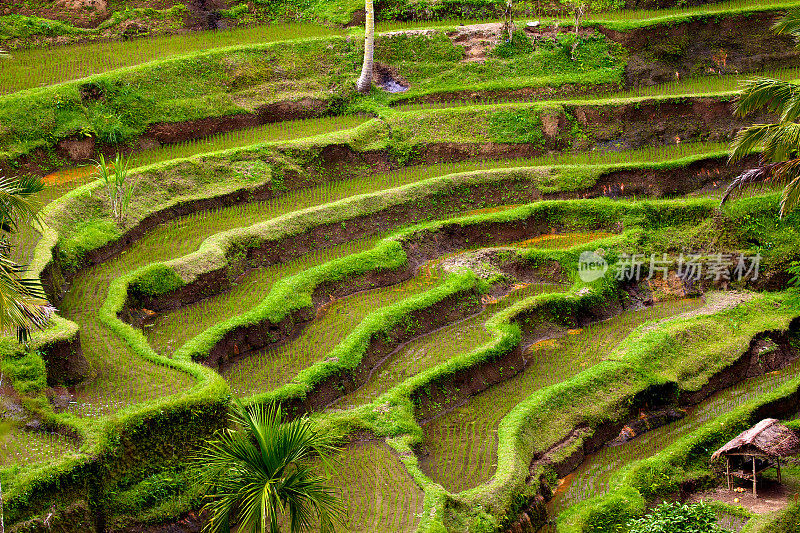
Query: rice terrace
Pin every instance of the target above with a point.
(519, 266)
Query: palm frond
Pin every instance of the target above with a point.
(258, 474)
(789, 24)
(790, 198)
(23, 304)
(779, 174)
(781, 142)
(15, 205)
(776, 142)
(765, 94)
(748, 140)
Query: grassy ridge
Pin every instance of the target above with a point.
(555, 209)
(687, 458)
(462, 443)
(546, 416)
(117, 106)
(27, 69)
(594, 476)
(213, 253)
(566, 183)
(390, 413)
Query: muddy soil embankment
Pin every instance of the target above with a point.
(767, 352)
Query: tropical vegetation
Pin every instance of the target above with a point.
(300, 302)
(260, 475)
(23, 304)
(778, 143)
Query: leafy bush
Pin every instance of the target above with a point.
(678, 518)
(156, 280)
(518, 45)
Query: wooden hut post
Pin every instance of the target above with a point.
(728, 470)
(754, 477)
(779, 468)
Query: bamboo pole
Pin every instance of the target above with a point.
(754, 477)
(728, 471)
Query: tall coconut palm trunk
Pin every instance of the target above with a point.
(365, 81)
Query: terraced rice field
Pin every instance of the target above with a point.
(557, 241)
(171, 329)
(437, 347)
(377, 490)
(37, 67)
(117, 378)
(18, 446)
(267, 133)
(271, 368)
(388, 479)
(592, 477)
(460, 447)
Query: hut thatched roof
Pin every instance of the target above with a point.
(768, 437)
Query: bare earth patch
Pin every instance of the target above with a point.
(477, 40)
(771, 497)
(714, 303)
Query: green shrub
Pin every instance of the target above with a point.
(677, 518)
(157, 279)
(26, 371)
(518, 45)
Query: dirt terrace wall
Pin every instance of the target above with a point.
(707, 45)
(64, 361)
(568, 90)
(767, 352)
(331, 234)
(243, 340)
(601, 126)
(159, 436)
(613, 184)
(712, 44)
(456, 389)
(172, 132)
(625, 126)
(453, 308)
(54, 279)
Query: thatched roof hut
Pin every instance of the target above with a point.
(757, 449)
(767, 438)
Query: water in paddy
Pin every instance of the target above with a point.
(437, 347)
(118, 377)
(173, 328)
(559, 241)
(274, 367)
(461, 446)
(377, 491)
(20, 447)
(593, 475)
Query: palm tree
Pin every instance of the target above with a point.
(365, 80)
(23, 305)
(260, 475)
(779, 142)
